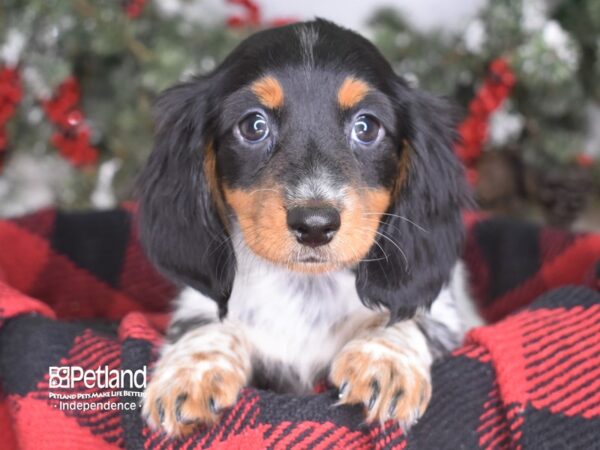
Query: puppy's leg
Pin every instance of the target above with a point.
(199, 373)
(387, 369)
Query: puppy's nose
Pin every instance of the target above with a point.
(313, 226)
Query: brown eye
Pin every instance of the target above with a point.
(366, 129)
(254, 127)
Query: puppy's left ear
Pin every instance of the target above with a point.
(423, 229)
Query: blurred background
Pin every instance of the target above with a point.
(78, 77)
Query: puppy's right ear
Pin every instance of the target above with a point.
(180, 225)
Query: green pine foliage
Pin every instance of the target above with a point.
(553, 48)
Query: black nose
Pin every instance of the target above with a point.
(313, 226)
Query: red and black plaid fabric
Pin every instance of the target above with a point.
(75, 290)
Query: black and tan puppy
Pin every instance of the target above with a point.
(309, 200)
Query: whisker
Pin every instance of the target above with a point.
(399, 217)
(365, 230)
(380, 248)
(395, 245)
(379, 222)
(372, 259)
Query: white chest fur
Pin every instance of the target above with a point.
(296, 319)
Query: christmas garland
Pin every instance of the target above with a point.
(72, 137)
(473, 130)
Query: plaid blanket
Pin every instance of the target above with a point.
(75, 290)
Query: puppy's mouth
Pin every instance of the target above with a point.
(306, 255)
(322, 259)
(315, 261)
(312, 260)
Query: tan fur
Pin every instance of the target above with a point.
(398, 359)
(209, 362)
(360, 220)
(210, 174)
(261, 214)
(351, 92)
(402, 174)
(269, 91)
(263, 221)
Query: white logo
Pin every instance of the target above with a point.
(59, 377)
(65, 377)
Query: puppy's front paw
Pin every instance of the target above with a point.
(390, 381)
(194, 380)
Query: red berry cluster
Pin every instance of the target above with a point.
(133, 8)
(474, 129)
(253, 16)
(584, 160)
(73, 135)
(10, 96)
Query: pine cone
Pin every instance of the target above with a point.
(563, 194)
(500, 183)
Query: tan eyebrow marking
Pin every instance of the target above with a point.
(351, 92)
(269, 91)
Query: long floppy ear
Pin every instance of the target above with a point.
(423, 229)
(180, 226)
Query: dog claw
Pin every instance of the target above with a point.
(213, 406)
(161, 411)
(178, 404)
(394, 403)
(342, 389)
(374, 395)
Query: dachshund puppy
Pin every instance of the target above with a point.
(309, 202)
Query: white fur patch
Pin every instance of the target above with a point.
(308, 37)
(297, 319)
(462, 298)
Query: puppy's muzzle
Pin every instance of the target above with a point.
(313, 225)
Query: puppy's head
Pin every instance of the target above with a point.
(306, 143)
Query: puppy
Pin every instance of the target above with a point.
(309, 201)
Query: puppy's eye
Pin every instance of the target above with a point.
(366, 129)
(254, 127)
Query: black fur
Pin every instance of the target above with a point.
(179, 328)
(179, 224)
(431, 200)
(180, 227)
